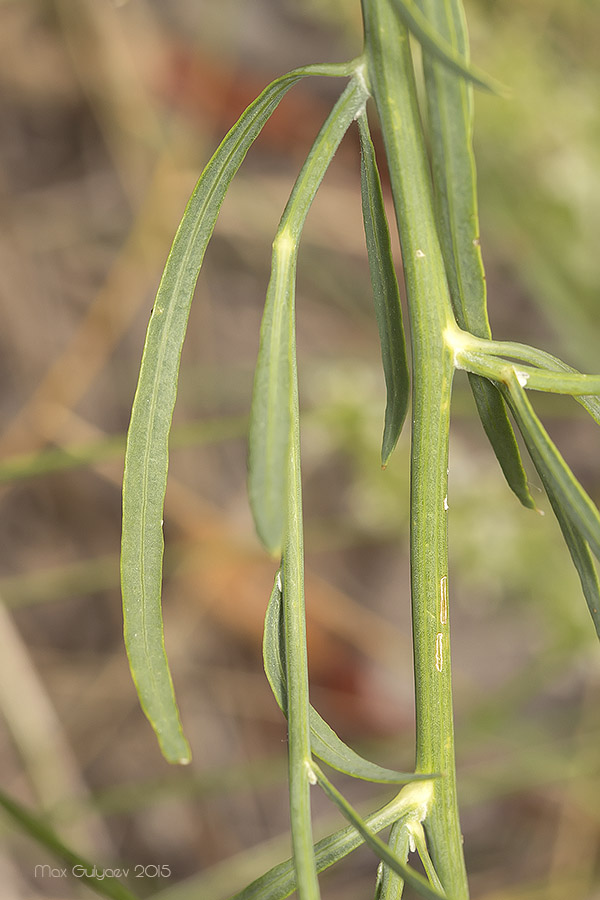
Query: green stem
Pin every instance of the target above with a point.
(391, 78)
(282, 287)
(498, 369)
(297, 675)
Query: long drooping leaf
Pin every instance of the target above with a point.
(270, 422)
(386, 295)
(410, 875)
(146, 459)
(274, 465)
(577, 516)
(324, 742)
(450, 119)
(580, 554)
(566, 489)
(436, 44)
(88, 873)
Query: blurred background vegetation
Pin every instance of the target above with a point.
(109, 110)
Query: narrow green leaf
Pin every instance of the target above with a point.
(410, 876)
(496, 424)
(270, 421)
(480, 356)
(568, 500)
(449, 103)
(324, 742)
(437, 45)
(274, 465)
(88, 873)
(417, 834)
(580, 554)
(280, 881)
(386, 295)
(567, 493)
(146, 458)
(449, 109)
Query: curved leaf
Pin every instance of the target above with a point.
(577, 517)
(274, 464)
(270, 421)
(324, 742)
(566, 490)
(146, 458)
(580, 554)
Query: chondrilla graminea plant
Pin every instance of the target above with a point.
(434, 194)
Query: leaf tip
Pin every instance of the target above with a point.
(526, 500)
(178, 756)
(272, 546)
(391, 435)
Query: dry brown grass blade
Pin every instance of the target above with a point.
(112, 313)
(49, 761)
(110, 69)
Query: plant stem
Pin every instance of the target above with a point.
(392, 82)
(297, 676)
